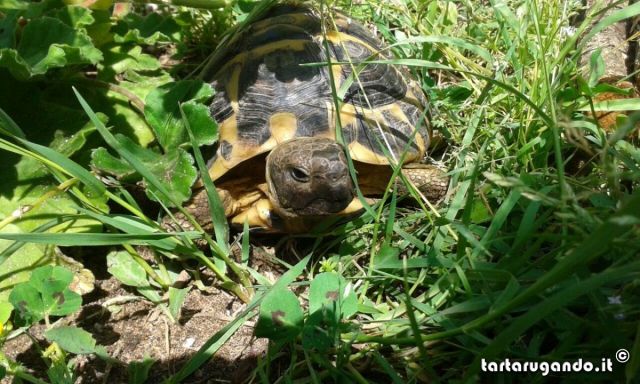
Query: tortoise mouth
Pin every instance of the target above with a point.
(324, 207)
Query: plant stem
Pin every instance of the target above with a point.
(242, 291)
(143, 263)
(135, 101)
(204, 4)
(20, 211)
(219, 252)
(25, 376)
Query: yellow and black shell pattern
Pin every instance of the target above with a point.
(265, 94)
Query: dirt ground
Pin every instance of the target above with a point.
(131, 328)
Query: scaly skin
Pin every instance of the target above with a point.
(429, 180)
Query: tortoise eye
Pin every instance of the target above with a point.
(299, 174)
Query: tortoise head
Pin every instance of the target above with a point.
(309, 176)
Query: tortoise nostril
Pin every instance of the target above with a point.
(338, 176)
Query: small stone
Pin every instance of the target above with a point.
(188, 343)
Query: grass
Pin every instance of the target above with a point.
(526, 258)
(523, 261)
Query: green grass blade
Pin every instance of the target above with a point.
(499, 219)
(70, 167)
(132, 226)
(433, 65)
(633, 366)
(619, 105)
(388, 369)
(617, 16)
(449, 40)
(63, 163)
(9, 126)
(11, 249)
(90, 239)
(220, 226)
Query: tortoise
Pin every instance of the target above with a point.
(279, 165)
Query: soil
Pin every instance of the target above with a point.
(131, 328)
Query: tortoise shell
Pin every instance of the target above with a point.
(265, 94)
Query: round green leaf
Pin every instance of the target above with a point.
(162, 110)
(72, 339)
(49, 43)
(330, 292)
(280, 316)
(27, 303)
(51, 279)
(174, 169)
(204, 128)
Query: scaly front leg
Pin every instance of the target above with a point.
(198, 206)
